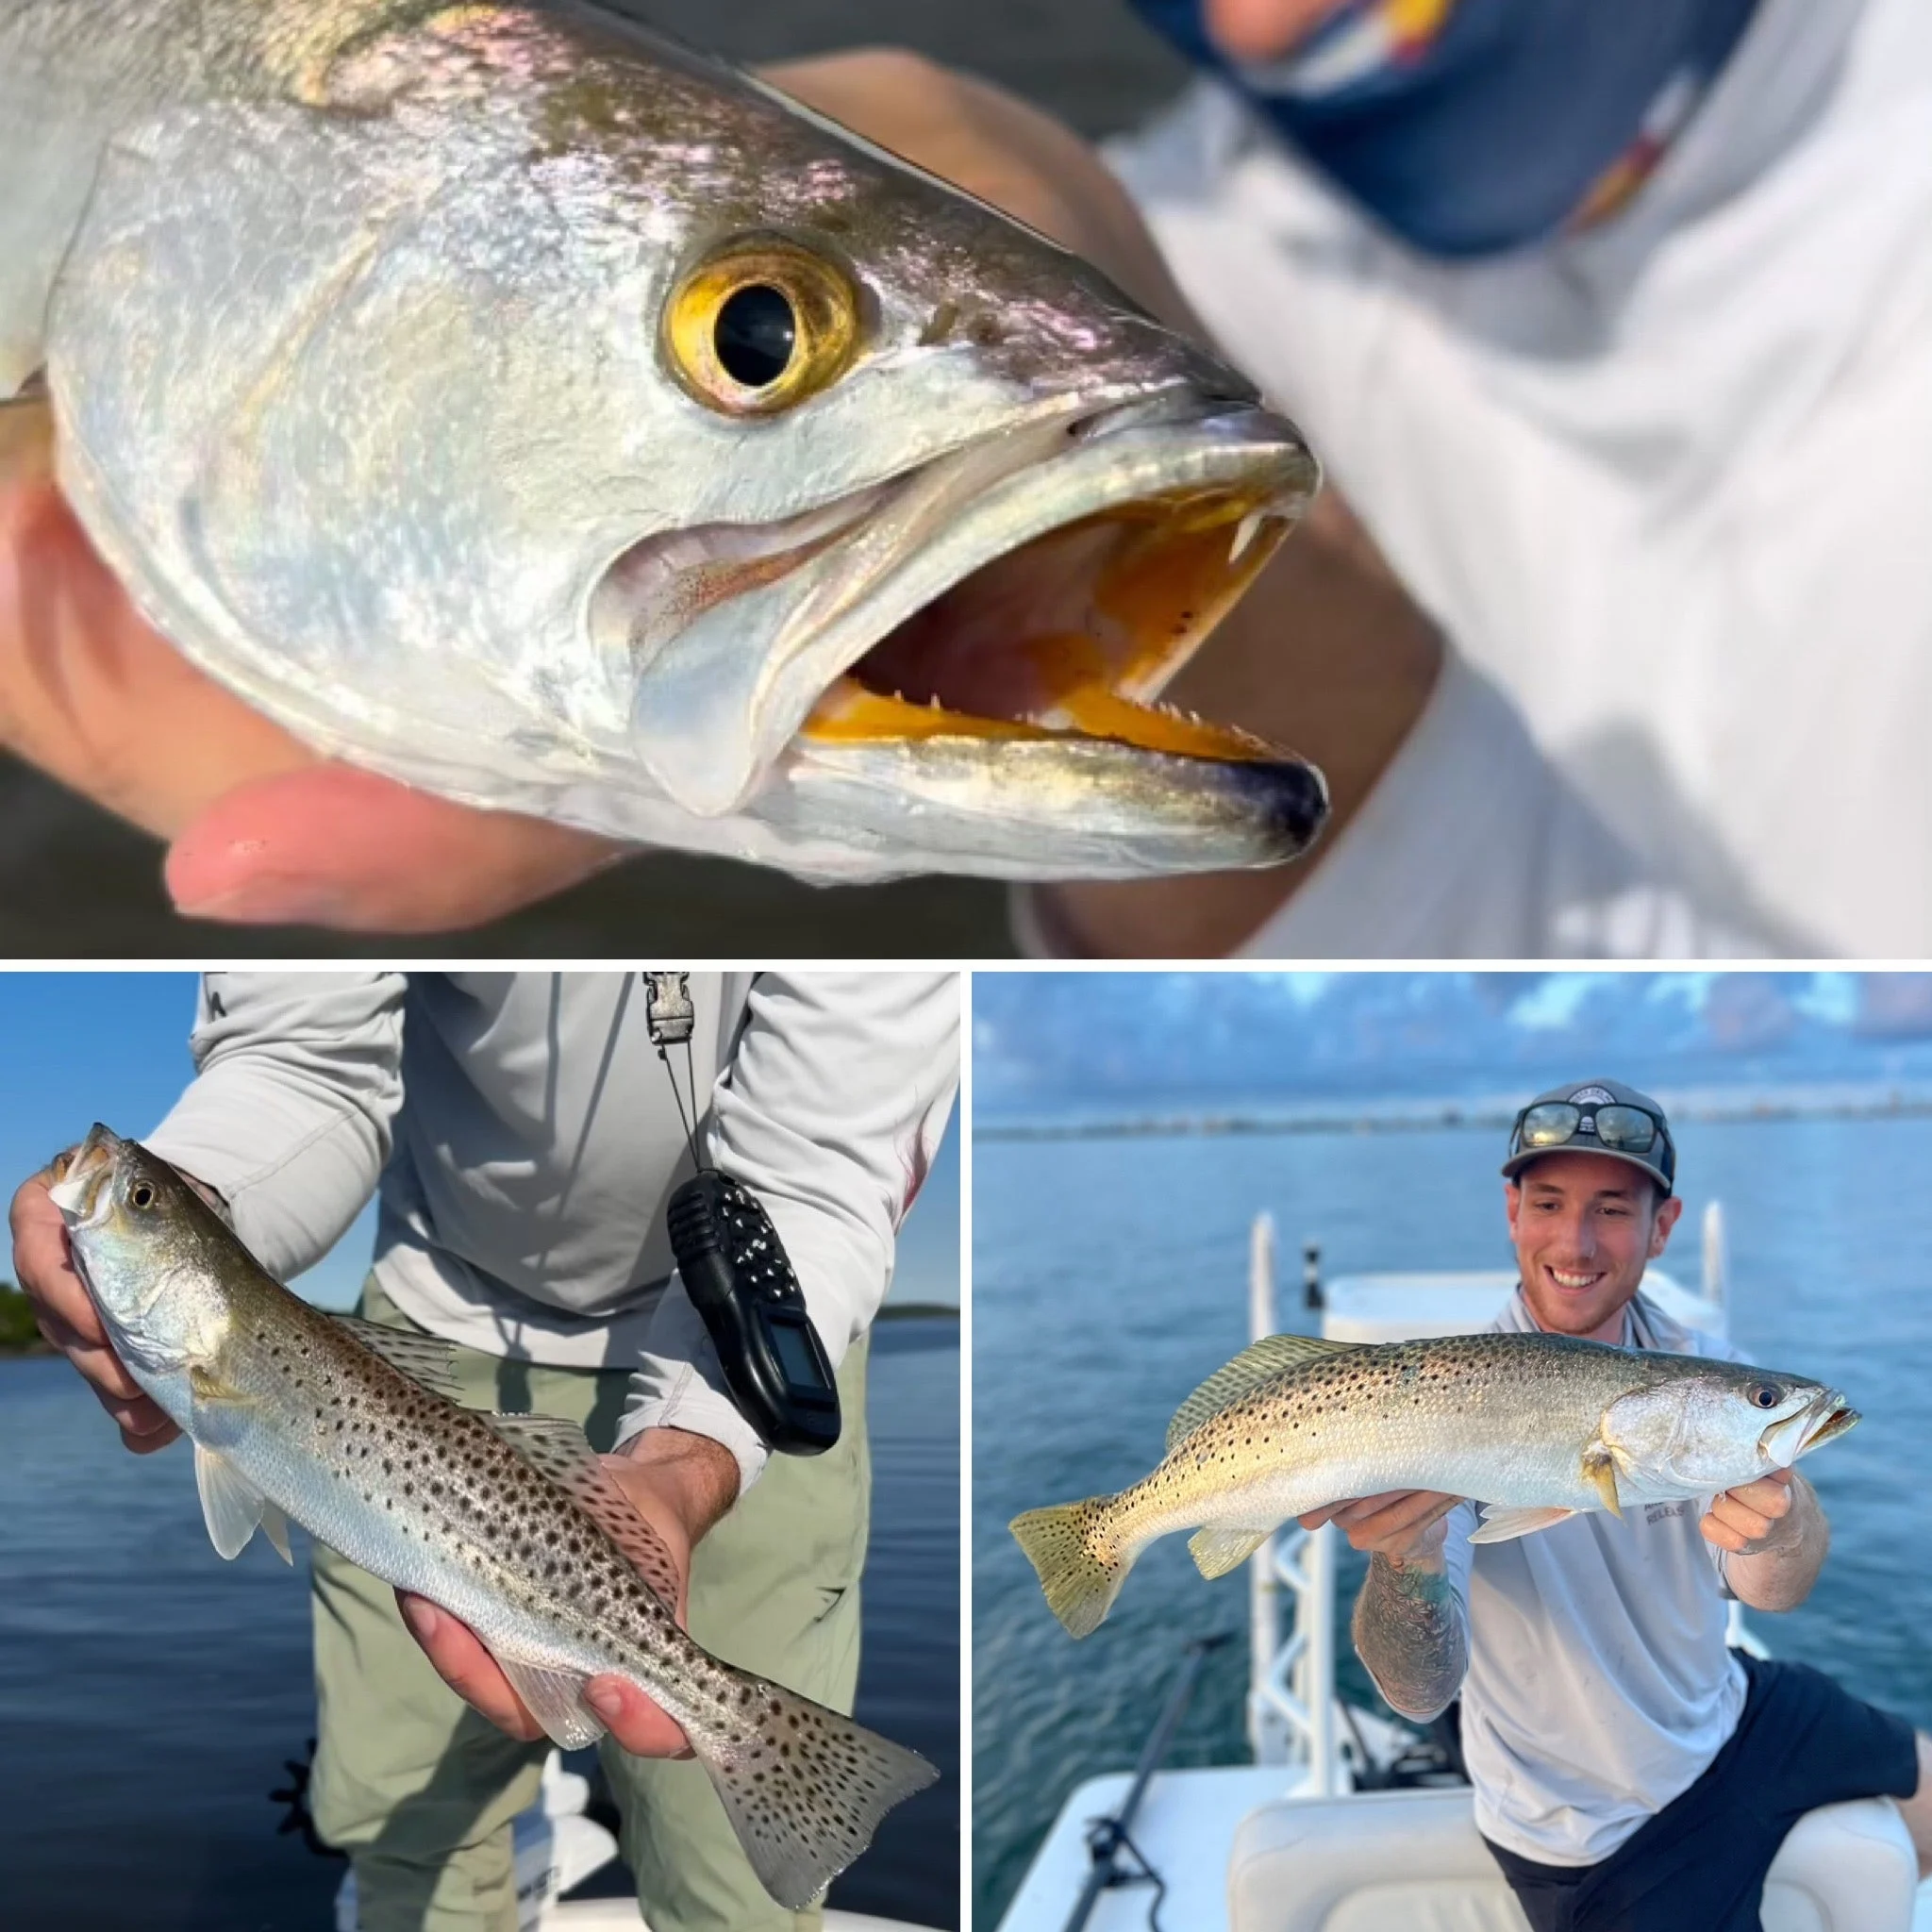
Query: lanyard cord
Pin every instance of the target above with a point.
(670, 1017)
(690, 1126)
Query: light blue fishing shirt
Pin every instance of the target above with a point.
(1599, 1684)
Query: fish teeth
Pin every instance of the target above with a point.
(1244, 534)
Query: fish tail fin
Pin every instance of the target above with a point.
(804, 1788)
(1080, 1584)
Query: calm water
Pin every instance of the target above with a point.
(149, 1692)
(1109, 1277)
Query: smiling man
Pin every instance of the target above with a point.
(1612, 1737)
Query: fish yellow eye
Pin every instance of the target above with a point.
(141, 1194)
(762, 326)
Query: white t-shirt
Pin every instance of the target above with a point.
(1599, 1685)
(1665, 482)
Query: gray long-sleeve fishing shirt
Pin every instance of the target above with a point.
(522, 1135)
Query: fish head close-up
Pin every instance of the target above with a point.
(521, 404)
(1706, 1425)
(140, 1238)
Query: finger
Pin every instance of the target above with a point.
(145, 1442)
(1767, 1495)
(637, 1724)
(460, 1660)
(45, 1269)
(334, 846)
(1743, 1525)
(1721, 1534)
(140, 1419)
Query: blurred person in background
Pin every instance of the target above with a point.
(1608, 632)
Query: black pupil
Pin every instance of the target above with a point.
(1767, 1398)
(756, 334)
(142, 1196)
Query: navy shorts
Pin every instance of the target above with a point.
(1699, 1865)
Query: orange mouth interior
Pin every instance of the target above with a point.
(1069, 637)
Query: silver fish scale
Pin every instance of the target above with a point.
(427, 1493)
(1371, 1418)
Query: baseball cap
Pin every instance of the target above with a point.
(1595, 1117)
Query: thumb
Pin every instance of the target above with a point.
(331, 845)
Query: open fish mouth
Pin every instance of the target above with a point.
(1012, 611)
(1835, 1421)
(1797, 1435)
(79, 1188)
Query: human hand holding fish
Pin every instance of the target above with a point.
(678, 1483)
(1404, 1526)
(66, 1316)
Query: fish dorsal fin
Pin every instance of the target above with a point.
(559, 1450)
(426, 1358)
(1260, 1361)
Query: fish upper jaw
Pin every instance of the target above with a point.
(82, 1193)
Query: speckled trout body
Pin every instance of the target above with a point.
(508, 1522)
(1537, 1427)
(508, 399)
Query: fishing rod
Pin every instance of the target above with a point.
(1107, 1838)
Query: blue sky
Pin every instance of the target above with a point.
(78, 1048)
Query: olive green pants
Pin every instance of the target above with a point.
(420, 1791)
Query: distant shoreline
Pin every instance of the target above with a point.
(1411, 1117)
(16, 1346)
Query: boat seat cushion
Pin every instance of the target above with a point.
(1412, 1861)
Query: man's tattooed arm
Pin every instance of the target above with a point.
(1408, 1630)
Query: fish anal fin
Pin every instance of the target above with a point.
(1259, 1362)
(1600, 1470)
(560, 1451)
(274, 1525)
(1217, 1550)
(1505, 1525)
(231, 1506)
(428, 1360)
(556, 1699)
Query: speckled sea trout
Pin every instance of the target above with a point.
(508, 1522)
(1539, 1427)
(511, 401)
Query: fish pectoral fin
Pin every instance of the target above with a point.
(1600, 1470)
(231, 1506)
(205, 1385)
(1216, 1551)
(1505, 1525)
(1259, 1362)
(560, 1451)
(426, 1358)
(557, 1702)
